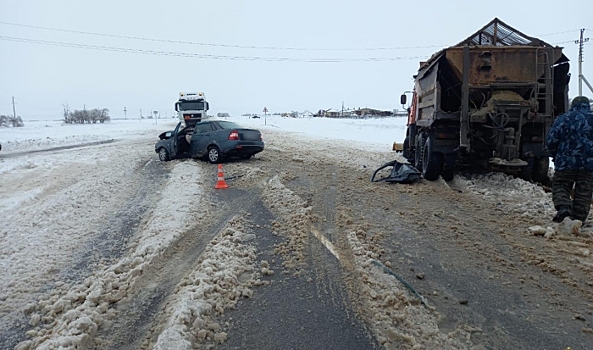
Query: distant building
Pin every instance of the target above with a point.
(370, 112)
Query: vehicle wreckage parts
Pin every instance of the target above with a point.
(400, 173)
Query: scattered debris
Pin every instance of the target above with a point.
(568, 227)
(400, 173)
(404, 282)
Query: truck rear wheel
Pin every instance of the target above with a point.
(448, 171)
(432, 162)
(406, 148)
(418, 152)
(526, 172)
(541, 165)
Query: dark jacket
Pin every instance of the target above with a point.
(570, 140)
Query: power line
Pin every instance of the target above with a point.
(243, 46)
(217, 45)
(563, 42)
(203, 56)
(564, 32)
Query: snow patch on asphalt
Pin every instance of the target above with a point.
(397, 317)
(70, 320)
(225, 273)
(293, 223)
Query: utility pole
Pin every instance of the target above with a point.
(342, 109)
(13, 108)
(125, 110)
(581, 43)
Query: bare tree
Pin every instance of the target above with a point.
(86, 116)
(11, 121)
(104, 115)
(67, 115)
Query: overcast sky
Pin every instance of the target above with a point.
(257, 53)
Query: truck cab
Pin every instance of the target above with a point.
(191, 107)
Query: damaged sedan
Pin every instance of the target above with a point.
(213, 140)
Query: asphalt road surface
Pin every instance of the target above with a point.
(341, 263)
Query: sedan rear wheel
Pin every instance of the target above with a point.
(163, 154)
(214, 154)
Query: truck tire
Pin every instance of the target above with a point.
(526, 172)
(418, 152)
(432, 162)
(406, 149)
(449, 166)
(541, 165)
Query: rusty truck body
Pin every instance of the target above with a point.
(487, 103)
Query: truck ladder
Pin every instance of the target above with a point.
(543, 60)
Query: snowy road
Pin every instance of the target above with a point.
(105, 247)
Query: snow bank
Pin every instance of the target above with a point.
(224, 274)
(528, 200)
(77, 314)
(49, 211)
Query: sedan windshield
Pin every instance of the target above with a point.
(228, 125)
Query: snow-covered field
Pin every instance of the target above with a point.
(47, 224)
(42, 134)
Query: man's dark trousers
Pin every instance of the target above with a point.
(582, 180)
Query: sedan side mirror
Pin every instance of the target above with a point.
(168, 134)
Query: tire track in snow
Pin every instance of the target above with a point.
(55, 149)
(138, 320)
(75, 229)
(111, 241)
(304, 306)
(393, 317)
(72, 317)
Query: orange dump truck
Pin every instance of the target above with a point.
(487, 103)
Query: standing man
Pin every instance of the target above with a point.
(570, 143)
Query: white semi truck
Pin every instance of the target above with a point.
(191, 107)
